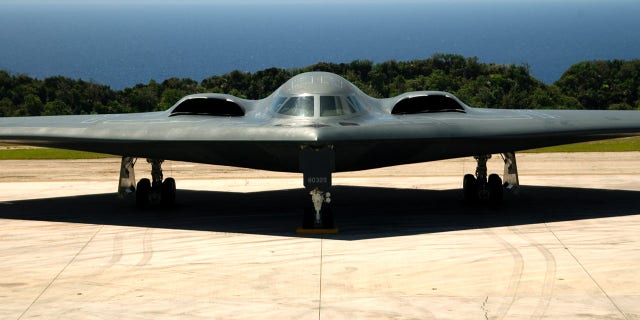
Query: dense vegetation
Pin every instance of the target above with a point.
(613, 84)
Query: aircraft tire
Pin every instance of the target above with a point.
(142, 193)
(470, 188)
(168, 195)
(308, 218)
(327, 217)
(495, 189)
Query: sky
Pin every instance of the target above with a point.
(115, 42)
(296, 2)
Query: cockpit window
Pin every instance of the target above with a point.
(354, 102)
(295, 106)
(331, 106)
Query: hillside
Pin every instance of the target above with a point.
(610, 84)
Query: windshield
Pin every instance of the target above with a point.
(328, 106)
(331, 106)
(295, 106)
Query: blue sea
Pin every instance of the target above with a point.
(120, 43)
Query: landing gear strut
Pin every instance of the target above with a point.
(319, 215)
(127, 182)
(490, 188)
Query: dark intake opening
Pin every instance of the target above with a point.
(209, 107)
(427, 104)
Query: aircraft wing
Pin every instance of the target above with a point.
(315, 110)
(435, 136)
(235, 141)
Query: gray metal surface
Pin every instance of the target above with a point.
(365, 134)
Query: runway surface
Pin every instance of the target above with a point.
(568, 247)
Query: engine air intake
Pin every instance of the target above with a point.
(208, 107)
(427, 104)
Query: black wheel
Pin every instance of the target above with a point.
(470, 188)
(327, 217)
(308, 218)
(168, 192)
(495, 189)
(142, 193)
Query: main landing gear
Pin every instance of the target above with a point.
(490, 188)
(157, 191)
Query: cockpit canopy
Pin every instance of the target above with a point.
(321, 83)
(317, 94)
(295, 106)
(316, 106)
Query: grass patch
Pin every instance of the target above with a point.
(48, 153)
(611, 145)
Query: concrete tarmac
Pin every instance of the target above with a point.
(568, 247)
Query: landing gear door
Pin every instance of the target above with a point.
(511, 171)
(317, 164)
(127, 183)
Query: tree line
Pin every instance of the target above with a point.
(606, 84)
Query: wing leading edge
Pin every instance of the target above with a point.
(364, 132)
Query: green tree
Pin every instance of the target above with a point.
(143, 98)
(170, 97)
(6, 107)
(56, 107)
(611, 84)
(33, 105)
(439, 80)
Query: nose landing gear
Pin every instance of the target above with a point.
(320, 215)
(317, 164)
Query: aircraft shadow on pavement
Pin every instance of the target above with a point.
(360, 212)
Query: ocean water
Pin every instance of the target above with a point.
(124, 44)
